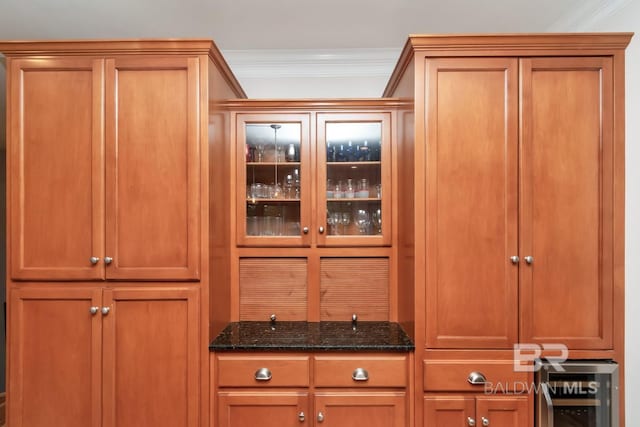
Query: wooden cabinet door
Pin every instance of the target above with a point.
(263, 408)
(503, 411)
(54, 357)
(153, 168)
(472, 203)
(151, 368)
(56, 184)
(354, 409)
(449, 411)
(567, 202)
(273, 180)
(353, 179)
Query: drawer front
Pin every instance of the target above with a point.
(440, 375)
(360, 371)
(262, 371)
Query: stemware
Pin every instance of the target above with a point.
(345, 220)
(376, 218)
(333, 219)
(362, 221)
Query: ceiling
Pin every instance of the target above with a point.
(285, 24)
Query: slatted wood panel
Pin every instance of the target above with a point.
(354, 285)
(273, 286)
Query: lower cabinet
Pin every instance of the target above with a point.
(88, 356)
(481, 392)
(494, 411)
(339, 390)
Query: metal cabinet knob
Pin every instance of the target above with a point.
(305, 230)
(360, 374)
(321, 229)
(320, 417)
(515, 259)
(529, 259)
(471, 422)
(301, 416)
(263, 374)
(94, 310)
(485, 421)
(105, 310)
(108, 260)
(94, 260)
(476, 378)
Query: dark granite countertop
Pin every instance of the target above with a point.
(312, 336)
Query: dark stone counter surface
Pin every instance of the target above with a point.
(312, 336)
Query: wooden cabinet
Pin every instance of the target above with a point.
(104, 161)
(376, 409)
(87, 356)
(533, 212)
(472, 196)
(257, 408)
(313, 190)
(567, 202)
(496, 411)
(314, 390)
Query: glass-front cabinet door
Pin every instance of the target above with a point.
(274, 180)
(354, 179)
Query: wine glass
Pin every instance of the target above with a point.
(376, 219)
(362, 221)
(345, 220)
(333, 219)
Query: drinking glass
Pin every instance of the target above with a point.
(362, 221)
(376, 218)
(333, 219)
(345, 220)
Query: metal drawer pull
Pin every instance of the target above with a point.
(263, 374)
(301, 416)
(360, 375)
(529, 260)
(105, 310)
(471, 422)
(476, 378)
(485, 421)
(94, 310)
(94, 260)
(515, 259)
(320, 417)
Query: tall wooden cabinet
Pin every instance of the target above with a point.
(514, 229)
(108, 230)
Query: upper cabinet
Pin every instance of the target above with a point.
(328, 189)
(353, 173)
(534, 212)
(105, 180)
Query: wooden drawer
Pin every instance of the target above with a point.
(379, 371)
(447, 375)
(278, 370)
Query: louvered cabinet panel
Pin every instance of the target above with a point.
(273, 286)
(354, 286)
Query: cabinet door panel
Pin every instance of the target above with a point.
(151, 357)
(54, 354)
(264, 409)
(153, 168)
(448, 411)
(54, 166)
(354, 409)
(504, 411)
(567, 200)
(471, 297)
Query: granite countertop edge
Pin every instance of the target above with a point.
(363, 336)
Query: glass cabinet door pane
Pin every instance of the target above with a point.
(273, 179)
(354, 184)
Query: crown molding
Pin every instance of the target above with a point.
(287, 63)
(588, 16)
